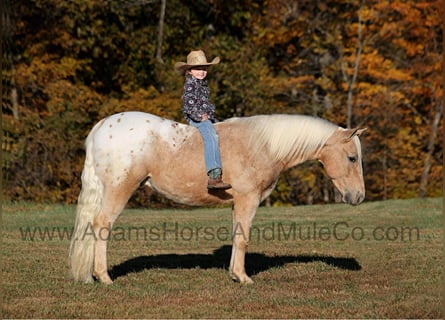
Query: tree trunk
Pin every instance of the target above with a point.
(385, 174)
(14, 97)
(351, 81)
(161, 32)
(430, 150)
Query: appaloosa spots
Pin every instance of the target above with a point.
(111, 136)
(127, 170)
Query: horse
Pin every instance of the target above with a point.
(130, 149)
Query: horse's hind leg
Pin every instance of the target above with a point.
(243, 212)
(114, 202)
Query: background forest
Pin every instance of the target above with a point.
(367, 63)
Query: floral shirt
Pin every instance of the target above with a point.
(195, 100)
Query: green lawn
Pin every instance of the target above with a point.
(376, 260)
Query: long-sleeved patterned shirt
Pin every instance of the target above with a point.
(195, 100)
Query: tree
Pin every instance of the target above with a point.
(320, 47)
(161, 32)
(355, 63)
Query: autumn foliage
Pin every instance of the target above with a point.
(375, 64)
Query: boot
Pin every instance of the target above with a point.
(215, 180)
(217, 183)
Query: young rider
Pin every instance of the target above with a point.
(200, 112)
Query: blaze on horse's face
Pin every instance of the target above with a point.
(342, 160)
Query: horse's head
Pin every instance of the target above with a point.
(341, 157)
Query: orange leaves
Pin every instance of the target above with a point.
(51, 79)
(81, 60)
(146, 100)
(45, 69)
(411, 49)
(382, 69)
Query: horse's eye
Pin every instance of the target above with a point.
(353, 159)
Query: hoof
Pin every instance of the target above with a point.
(104, 278)
(244, 279)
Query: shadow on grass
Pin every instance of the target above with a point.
(255, 262)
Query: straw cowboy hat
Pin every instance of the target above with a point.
(195, 59)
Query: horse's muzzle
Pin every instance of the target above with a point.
(353, 199)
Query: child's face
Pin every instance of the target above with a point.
(199, 72)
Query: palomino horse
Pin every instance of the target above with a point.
(128, 149)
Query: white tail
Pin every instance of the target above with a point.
(88, 206)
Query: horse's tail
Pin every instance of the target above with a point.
(81, 254)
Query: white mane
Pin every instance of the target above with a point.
(284, 136)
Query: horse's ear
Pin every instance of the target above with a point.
(359, 131)
(351, 133)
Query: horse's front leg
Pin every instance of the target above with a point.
(243, 212)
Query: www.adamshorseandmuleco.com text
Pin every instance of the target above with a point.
(175, 231)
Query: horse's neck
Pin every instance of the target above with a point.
(289, 139)
(295, 159)
(306, 149)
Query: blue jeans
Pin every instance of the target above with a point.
(211, 144)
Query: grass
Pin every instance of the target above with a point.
(376, 260)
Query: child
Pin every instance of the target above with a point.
(200, 112)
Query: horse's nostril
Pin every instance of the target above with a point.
(353, 200)
(359, 199)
